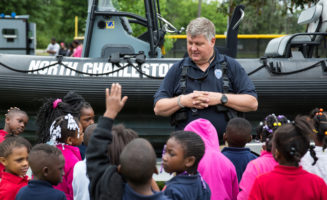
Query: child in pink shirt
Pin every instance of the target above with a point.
(288, 180)
(66, 133)
(215, 168)
(266, 162)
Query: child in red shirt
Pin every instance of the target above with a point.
(288, 180)
(15, 123)
(13, 155)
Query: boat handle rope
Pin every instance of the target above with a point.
(80, 72)
(265, 65)
(138, 69)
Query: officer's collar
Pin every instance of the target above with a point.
(218, 58)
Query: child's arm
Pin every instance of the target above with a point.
(97, 160)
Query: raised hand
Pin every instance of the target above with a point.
(114, 101)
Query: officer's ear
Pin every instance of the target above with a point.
(213, 41)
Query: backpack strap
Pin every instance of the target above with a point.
(229, 112)
(181, 115)
(226, 81)
(182, 80)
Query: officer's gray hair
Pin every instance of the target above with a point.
(201, 26)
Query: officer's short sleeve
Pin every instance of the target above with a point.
(168, 85)
(241, 83)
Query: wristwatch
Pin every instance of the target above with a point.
(223, 99)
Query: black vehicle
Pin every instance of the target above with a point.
(289, 80)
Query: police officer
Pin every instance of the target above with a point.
(194, 87)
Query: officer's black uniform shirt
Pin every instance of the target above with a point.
(212, 81)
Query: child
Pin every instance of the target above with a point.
(182, 154)
(53, 108)
(66, 133)
(80, 179)
(105, 181)
(214, 167)
(121, 136)
(47, 164)
(266, 162)
(15, 122)
(238, 133)
(318, 167)
(86, 118)
(137, 165)
(13, 155)
(288, 180)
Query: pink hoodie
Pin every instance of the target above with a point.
(216, 169)
(265, 163)
(72, 156)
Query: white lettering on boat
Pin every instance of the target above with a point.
(124, 70)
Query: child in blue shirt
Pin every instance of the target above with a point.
(47, 164)
(238, 133)
(182, 154)
(137, 165)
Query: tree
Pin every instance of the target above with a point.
(45, 13)
(269, 19)
(56, 18)
(268, 16)
(70, 9)
(288, 5)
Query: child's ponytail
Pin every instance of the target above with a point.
(320, 127)
(266, 128)
(63, 127)
(292, 140)
(53, 108)
(313, 154)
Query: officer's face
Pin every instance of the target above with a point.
(199, 48)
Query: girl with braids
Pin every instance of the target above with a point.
(288, 180)
(266, 162)
(53, 108)
(318, 167)
(182, 154)
(15, 122)
(66, 133)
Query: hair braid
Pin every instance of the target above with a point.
(71, 103)
(292, 140)
(313, 154)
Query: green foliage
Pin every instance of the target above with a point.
(269, 19)
(169, 43)
(181, 12)
(45, 13)
(56, 18)
(72, 8)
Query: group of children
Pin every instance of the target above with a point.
(119, 165)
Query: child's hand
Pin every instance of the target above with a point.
(114, 102)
